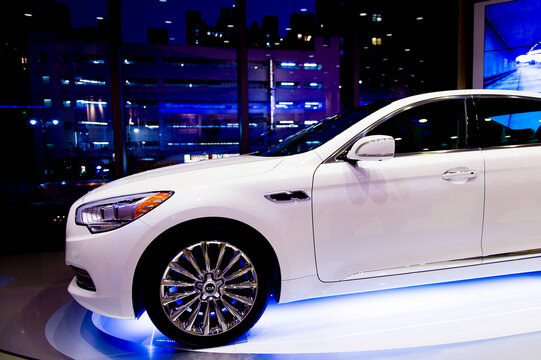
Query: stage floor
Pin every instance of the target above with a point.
(494, 318)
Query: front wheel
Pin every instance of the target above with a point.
(208, 293)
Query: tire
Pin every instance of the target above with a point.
(207, 292)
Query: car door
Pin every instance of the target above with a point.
(510, 138)
(420, 210)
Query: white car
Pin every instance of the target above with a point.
(431, 188)
(531, 58)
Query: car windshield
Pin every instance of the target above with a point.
(318, 134)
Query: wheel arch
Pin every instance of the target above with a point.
(193, 227)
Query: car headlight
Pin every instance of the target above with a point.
(115, 212)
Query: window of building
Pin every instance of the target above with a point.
(313, 105)
(191, 62)
(199, 83)
(140, 82)
(257, 84)
(131, 60)
(79, 80)
(89, 59)
(258, 65)
(312, 85)
(376, 41)
(287, 65)
(288, 84)
(311, 66)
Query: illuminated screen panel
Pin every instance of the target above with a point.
(508, 45)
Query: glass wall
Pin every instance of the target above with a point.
(70, 115)
(175, 84)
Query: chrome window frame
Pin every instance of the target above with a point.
(335, 156)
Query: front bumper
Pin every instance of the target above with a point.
(110, 259)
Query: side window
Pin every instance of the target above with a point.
(429, 127)
(508, 121)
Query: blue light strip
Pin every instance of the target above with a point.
(23, 107)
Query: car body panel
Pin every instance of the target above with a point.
(313, 287)
(513, 200)
(377, 216)
(184, 174)
(111, 265)
(446, 249)
(236, 199)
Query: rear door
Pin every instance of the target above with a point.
(510, 138)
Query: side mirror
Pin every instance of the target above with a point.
(372, 148)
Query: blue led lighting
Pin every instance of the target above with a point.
(414, 317)
(23, 107)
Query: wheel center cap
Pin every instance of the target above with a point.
(209, 288)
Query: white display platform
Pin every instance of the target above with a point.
(405, 320)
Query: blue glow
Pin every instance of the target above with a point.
(415, 317)
(313, 105)
(527, 120)
(288, 84)
(208, 107)
(313, 85)
(86, 103)
(82, 81)
(288, 65)
(312, 66)
(23, 107)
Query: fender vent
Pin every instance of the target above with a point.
(288, 196)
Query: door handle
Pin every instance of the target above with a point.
(459, 174)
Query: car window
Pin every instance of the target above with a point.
(428, 127)
(318, 134)
(508, 121)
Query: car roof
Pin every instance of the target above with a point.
(467, 92)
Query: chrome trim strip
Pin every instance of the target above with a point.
(376, 155)
(436, 152)
(411, 269)
(503, 96)
(497, 147)
(444, 265)
(516, 255)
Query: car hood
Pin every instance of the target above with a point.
(169, 177)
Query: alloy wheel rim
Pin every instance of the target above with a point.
(208, 288)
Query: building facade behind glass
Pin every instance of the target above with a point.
(180, 102)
